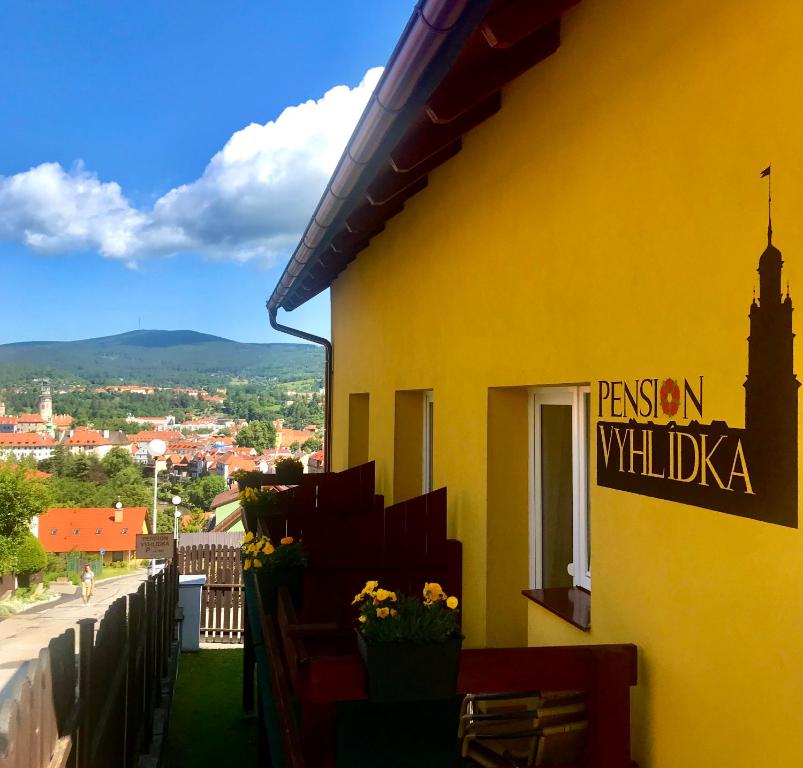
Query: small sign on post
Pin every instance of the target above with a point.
(154, 546)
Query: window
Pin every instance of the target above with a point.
(427, 452)
(75, 531)
(98, 531)
(358, 428)
(53, 531)
(412, 444)
(560, 534)
(125, 530)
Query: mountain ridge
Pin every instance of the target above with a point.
(158, 357)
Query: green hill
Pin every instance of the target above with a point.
(166, 358)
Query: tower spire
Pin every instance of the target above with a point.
(768, 173)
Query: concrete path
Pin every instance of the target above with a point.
(23, 635)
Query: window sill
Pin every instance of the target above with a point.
(572, 604)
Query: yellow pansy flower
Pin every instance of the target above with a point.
(452, 602)
(287, 540)
(394, 612)
(257, 563)
(383, 613)
(248, 537)
(246, 565)
(433, 592)
(363, 619)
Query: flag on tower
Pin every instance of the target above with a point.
(765, 172)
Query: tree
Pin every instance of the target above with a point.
(21, 497)
(8, 555)
(201, 492)
(259, 435)
(312, 445)
(71, 492)
(116, 460)
(128, 486)
(31, 556)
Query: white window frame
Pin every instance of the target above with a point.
(574, 397)
(427, 448)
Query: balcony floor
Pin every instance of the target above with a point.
(206, 723)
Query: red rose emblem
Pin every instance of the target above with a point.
(670, 397)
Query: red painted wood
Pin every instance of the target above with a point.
(572, 604)
(391, 182)
(483, 70)
(605, 672)
(510, 23)
(427, 138)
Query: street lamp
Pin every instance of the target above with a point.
(155, 448)
(176, 515)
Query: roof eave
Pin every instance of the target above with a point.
(431, 41)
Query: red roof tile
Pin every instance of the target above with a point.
(82, 436)
(26, 439)
(113, 537)
(30, 418)
(147, 435)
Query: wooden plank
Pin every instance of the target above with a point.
(61, 753)
(61, 651)
(10, 735)
(34, 714)
(218, 608)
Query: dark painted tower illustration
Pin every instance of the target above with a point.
(771, 393)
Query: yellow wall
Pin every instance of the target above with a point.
(607, 225)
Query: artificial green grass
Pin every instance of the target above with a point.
(206, 721)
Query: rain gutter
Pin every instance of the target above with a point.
(431, 41)
(327, 383)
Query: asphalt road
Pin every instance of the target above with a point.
(23, 635)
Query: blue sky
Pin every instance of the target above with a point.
(117, 205)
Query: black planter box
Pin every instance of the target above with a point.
(410, 671)
(289, 475)
(270, 579)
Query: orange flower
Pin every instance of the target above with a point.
(287, 540)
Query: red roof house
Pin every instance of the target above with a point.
(91, 529)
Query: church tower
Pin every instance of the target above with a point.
(46, 403)
(771, 393)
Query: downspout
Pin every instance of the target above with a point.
(327, 382)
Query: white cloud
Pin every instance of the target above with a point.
(251, 202)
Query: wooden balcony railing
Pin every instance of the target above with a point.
(312, 694)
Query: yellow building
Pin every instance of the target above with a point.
(548, 224)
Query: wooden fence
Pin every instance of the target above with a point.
(222, 596)
(107, 718)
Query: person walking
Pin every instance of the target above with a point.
(87, 583)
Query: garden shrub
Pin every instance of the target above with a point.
(31, 556)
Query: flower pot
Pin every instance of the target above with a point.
(410, 671)
(289, 474)
(270, 579)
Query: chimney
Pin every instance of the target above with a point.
(118, 515)
(106, 434)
